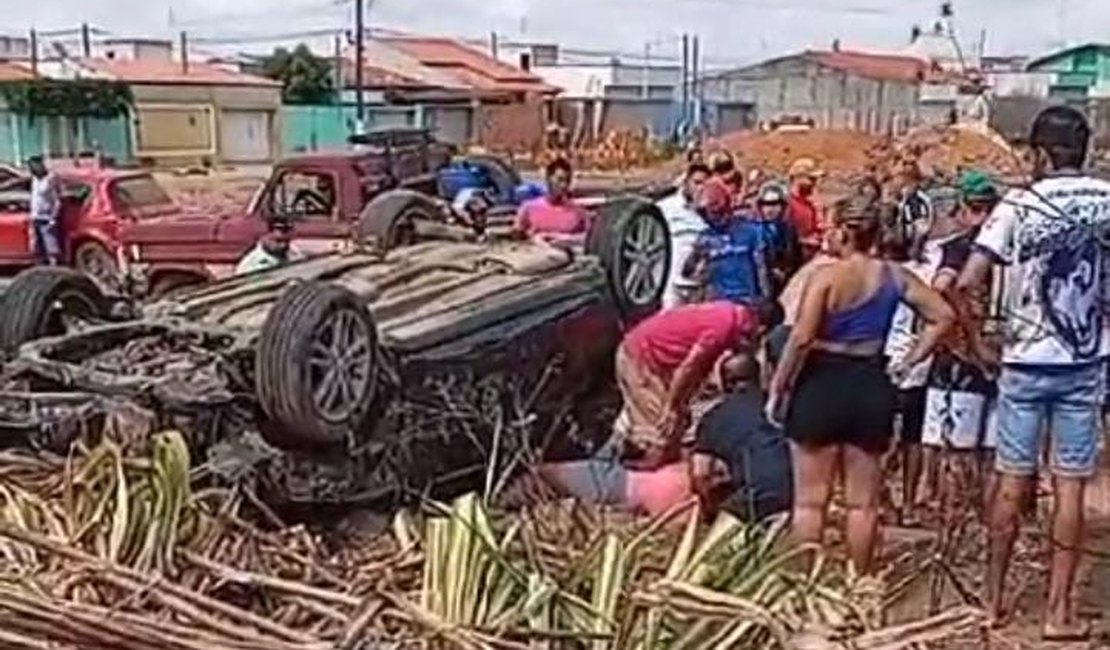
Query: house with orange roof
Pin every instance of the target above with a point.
(184, 112)
(461, 93)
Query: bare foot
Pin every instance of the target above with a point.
(1072, 632)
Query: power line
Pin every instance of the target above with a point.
(285, 12)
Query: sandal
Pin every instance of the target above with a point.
(1076, 633)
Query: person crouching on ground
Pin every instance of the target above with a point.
(739, 461)
(727, 255)
(662, 363)
(554, 217)
(841, 401)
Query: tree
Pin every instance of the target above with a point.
(305, 77)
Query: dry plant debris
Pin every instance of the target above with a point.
(128, 548)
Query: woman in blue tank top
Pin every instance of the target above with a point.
(839, 399)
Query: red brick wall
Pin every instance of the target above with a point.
(511, 128)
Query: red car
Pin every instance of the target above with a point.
(96, 203)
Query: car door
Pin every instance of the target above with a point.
(312, 198)
(15, 216)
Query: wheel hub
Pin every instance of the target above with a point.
(644, 259)
(340, 365)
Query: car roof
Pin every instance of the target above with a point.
(95, 174)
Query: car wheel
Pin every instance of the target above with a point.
(630, 237)
(389, 221)
(95, 261)
(504, 177)
(317, 367)
(48, 301)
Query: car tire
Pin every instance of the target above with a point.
(387, 221)
(30, 306)
(310, 322)
(504, 177)
(629, 235)
(94, 260)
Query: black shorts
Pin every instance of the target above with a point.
(843, 400)
(911, 408)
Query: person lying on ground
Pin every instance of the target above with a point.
(685, 225)
(1051, 236)
(554, 217)
(663, 362)
(961, 385)
(832, 386)
(739, 462)
(727, 256)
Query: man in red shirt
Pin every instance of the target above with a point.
(554, 217)
(663, 361)
(804, 176)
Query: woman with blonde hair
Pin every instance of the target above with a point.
(832, 384)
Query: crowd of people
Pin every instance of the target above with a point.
(939, 322)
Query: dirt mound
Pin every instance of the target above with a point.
(837, 151)
(939, 151)
(947, 150)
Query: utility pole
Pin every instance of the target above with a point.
(685, 78)
(645, 82)
(695, 67)
(184, 52)
(493, 45)
(360, 55)
(86, 41)
(338, 62)
(34, 52)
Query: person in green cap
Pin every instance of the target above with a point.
(961, 383)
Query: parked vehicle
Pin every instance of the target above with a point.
(97, 203)
(364, 372)
(324, 194)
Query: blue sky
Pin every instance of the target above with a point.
(731, 30)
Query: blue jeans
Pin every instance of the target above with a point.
(45, 235)
(1063, 401)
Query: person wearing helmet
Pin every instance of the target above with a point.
(782, 249)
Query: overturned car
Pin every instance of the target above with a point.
(360, 375)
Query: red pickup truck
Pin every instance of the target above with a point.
(96, 204)
(325, 193)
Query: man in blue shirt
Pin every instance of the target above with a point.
(728, 255)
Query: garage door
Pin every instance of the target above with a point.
(245, 136)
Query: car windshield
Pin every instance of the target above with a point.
(141, 195)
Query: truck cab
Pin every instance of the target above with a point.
(321, 194)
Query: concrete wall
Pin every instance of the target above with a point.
(176, 125)
(327, 127)
(510, 128)
(830, 98)
(21, 137)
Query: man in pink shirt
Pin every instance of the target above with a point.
(664, 360)
(555, 217)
